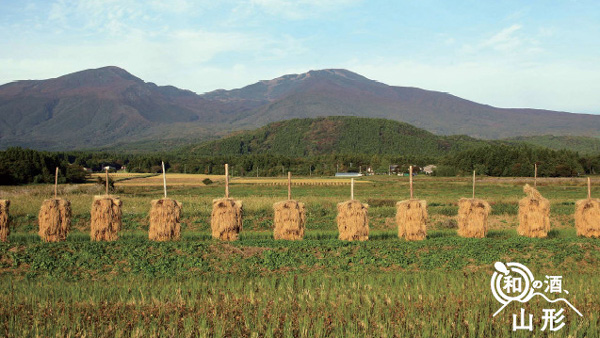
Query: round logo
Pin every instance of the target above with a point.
(516, 277)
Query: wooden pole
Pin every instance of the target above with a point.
(106, 179)
(352, 189)
(473, 184)
(589, 188)
(226, 180)
(289, 185)
(535, 176)
(164, 179)
(56, 184)
(410, 172)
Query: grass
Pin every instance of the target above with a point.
(258, 254)
(258, 286)
(381, 305)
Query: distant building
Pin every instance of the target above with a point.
(87, 170)
(348, 174)
(428, 169)
(109, 168)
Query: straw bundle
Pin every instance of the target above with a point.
(290, 217)
(165, 218)
(106, 218)
(353, 221)
(54, 219)
(587, 217)
(411, 217)
(226, 219)
(534, 214)
(4, 220)
(472, 217)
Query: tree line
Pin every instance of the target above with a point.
(21, 166)
(509, 161)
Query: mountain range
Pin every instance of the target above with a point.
(111, 108)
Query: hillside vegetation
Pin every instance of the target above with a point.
(581, 144)
(337, 135)
(320, 147)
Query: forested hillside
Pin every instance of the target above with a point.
(339, 135)
(321, 146)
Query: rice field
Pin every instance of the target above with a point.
(317, 287)
(196, 180)
(145, 180)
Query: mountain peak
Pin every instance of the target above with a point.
(101, 81)
(339, 72)
(319, 74)
(100, 76)
(277, 88)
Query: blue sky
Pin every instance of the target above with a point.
(539, 54)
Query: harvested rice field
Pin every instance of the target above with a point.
(194, 180)
(319, 286)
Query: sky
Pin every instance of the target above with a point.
(536, 54)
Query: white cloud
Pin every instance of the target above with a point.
(30, 7)
(86, 14)
(546, 32)
(508, 42)
(296, 10)
(518, 14)
(114, 17)
(58, 12)
(176, 6)
(505, 40)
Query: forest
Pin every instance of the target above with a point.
(22, 166)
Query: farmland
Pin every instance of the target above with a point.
(261, 287)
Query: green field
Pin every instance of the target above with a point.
(259, 287)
